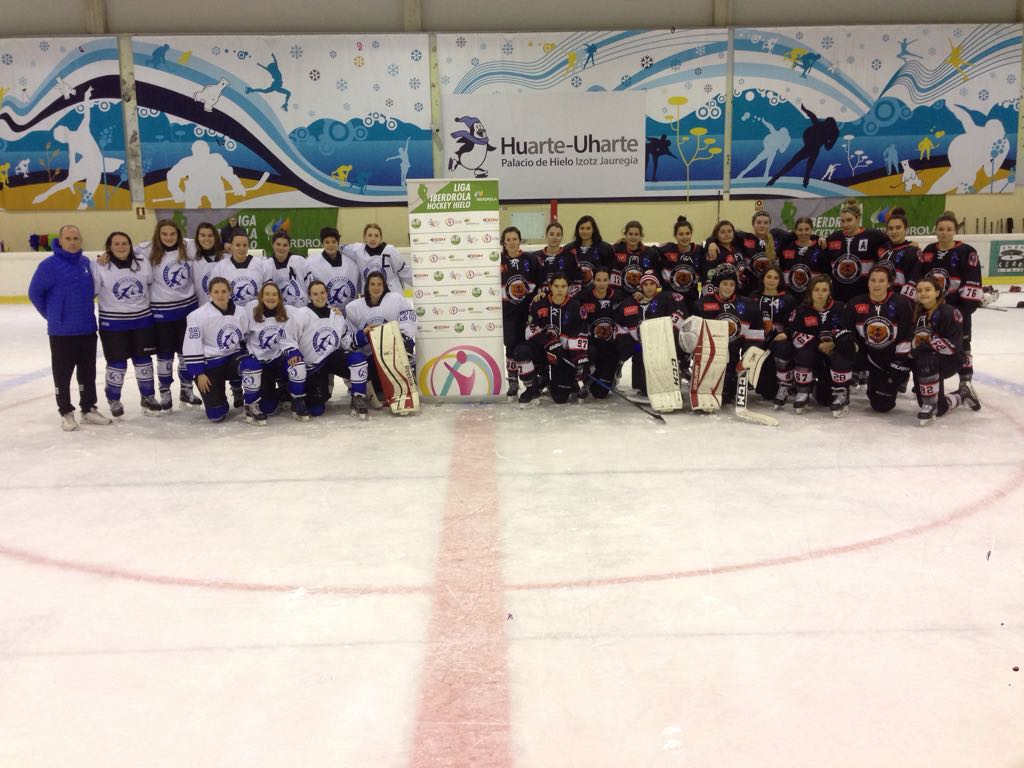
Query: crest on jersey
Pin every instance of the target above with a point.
(631, 277)
(799, 277)
(759, 263)
(340, 291)
(291, 293)
(604, 329)
(942, 276)
(684, 276)
(128, 289)
(325, 340)
(879, 332)
(206, 283)
(587, 269)
(177, 274)
(734, 324)
(268, 338)
(517, 288)
(229, 337)
(244, 290)
(847, 269)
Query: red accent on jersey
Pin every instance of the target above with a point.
(861, 309)
(632, 309)
(810, 321)
(542, 312)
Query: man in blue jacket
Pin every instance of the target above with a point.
(62, 291)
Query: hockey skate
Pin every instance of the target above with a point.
(530, 396)
(254, 415)
(93, 416)
(359, 409)
(237, 397)
(840, 402)
(801, 400)
(116, 408)
(151, 407)
(926, 414)
(188, 397)
(166, 402)
(968, 395)
(299, 410)
(781, 396)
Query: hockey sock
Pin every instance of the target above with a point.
(164, 367)
(114, 379)
(252, 380)
(358, 370)
(297, 377)
(183, 375)
(144, 375)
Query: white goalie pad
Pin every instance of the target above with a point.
(753, 360)
(710, 359)
(661, 365)
(397, 382)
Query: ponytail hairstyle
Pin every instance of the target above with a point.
(681, 222)
(939, 290)
(950, 217)
(131, 250)
(851, 206)
(157, 249)
(634, 224)
(280, 314)
(901, 215)
(817, 280)
(769, 242)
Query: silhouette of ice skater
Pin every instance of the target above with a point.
(832, 168)
(591, 49)
(570, 61)
(657, 148)
(892, 159)
(777, 140)
(403, 160)
(159, 56)
(807, 62)
(905, 52)
(276, 83)
(820, 133)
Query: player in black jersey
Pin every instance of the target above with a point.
(653, 302)
(588, 248)
(775, 306)
(631, 259)
(519, 275)
(812, 330)
(555, 258)
(852, 252)
(598, 303)
(681, 262)
(802, 258)
(902, 255)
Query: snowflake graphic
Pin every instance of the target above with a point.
(418, 106)
(445, 80)
(44, 46)
(474, 61)
(576, 81)
(827, 43)
(885, 38)
(22, 81)
(850, 59)
(311, 113)
(341, 85)
(698, 71)
(701, 50)
(688, 85)
(676, 67)
(708, 88)
(7, 59)
(392, 69)
(314, 75)
(376, 86)
(964, 91)
(507, 49)
(346, 106)
(799, 35)
(624, 79)
(389, 102)
(874, 90)
(333, 54)
(296, 51)
(983, 95)
(958, 32)
(646, 62)
(461, 42)
(1011, 79)
(416, 54)
(375, 43)
(931, 51)
(414, 83)
(842, 109)
(483, 46)
(216, 50)
(359, 61)
(876, 64)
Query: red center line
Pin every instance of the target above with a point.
(463, 719)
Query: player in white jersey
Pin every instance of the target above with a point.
(213, 347)
(245, 272)
(328, 347)
(273, 359)
(374, 255)
(377, 307)
(172, 297)
(122, 282)
(291, 273)
(209, 250)
(340, 273)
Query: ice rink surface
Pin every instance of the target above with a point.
(488, 587)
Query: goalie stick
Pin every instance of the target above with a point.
(614, 391)
(741, 405)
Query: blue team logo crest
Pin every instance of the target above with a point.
(340, 291)
(177, 274)
(244, 290)
(206, 284)
(268, 338)
(376, 320)
(291, 293)
(326, 340)
(128, 289)
(229, 337)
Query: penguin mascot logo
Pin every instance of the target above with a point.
(473, 147)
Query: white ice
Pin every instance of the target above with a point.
(706, 593)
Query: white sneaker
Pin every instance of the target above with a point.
(68, 423)
(93, 416)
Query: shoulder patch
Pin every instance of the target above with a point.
(631, 309)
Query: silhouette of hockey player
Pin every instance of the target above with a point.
(85, 159)
(657, 148)
(204, 175)
(777, 140)
(403, 160)
(276, 83)
(820, 133)
(591, 49)
(159, 56)
(905, 52)
(924, 148)
(892, 159)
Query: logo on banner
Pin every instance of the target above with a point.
(463, 367)
(473, 147)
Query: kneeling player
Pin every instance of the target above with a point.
(273, 359)
(653, 302)
(812, 328)
(327, 345)
(598, 303)
(937, 353)
(213, 347)
(874, 332)
(379, 306)
(556, 337)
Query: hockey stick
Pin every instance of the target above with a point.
(246, 190)
(614, 391)
(741, 405)
(997, 309)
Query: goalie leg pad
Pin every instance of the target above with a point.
(710, 360)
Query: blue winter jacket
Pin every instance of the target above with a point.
(62, 291)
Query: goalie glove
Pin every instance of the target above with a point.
(753, 360)
(689, 333)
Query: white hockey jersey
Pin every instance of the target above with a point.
(173, 294)
(392, 307)
(202, 271)
(213, 337)
(389, 261)
(341, 276)
(122, 289)
(246, 278)
(291, 279)
(320, 334)
(270, 338)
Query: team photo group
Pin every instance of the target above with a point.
(798, 318)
